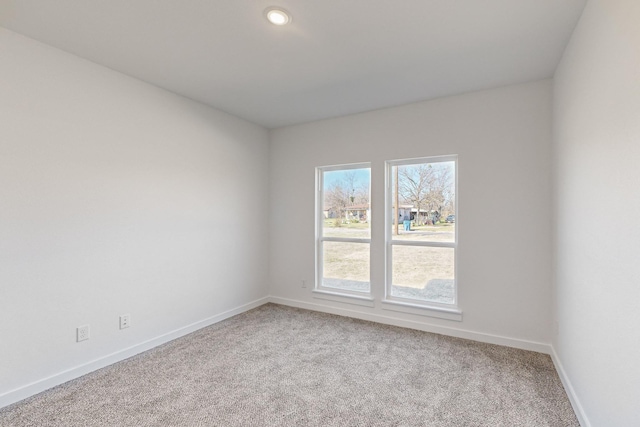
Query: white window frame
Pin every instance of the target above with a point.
(353, 297)
(414, 306)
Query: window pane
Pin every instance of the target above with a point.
(346, 266)
(346, 207)
(423, 273)
(423, 202)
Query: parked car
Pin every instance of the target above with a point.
(451, 218)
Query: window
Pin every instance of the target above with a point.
(343, 230)
(421, 235)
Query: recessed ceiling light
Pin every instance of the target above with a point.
(278, 16)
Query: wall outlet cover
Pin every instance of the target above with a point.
(125, 321)
(82, 333)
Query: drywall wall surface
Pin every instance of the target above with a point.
(503, 140)
(116, 197)
(597, 209)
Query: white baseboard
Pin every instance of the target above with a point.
(568, 387)
(422, 326)
(35, 387)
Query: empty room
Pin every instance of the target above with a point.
(322, 213)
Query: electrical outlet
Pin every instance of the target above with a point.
(125, 321)
(82, 333)
(304, 283)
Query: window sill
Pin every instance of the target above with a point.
(363, 300)
(423, 310)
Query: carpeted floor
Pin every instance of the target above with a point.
(280, 366)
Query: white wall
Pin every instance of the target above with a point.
(116, 197)
(503, 139)
(597, 207)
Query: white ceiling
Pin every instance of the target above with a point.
(337, 57)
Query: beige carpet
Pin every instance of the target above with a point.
(279, 366)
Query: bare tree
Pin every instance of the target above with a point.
(414, 185)
(428, 187)
(346, 192)
(350, 182)
(336, 198)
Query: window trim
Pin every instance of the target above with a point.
(324, 291)
(339, 296)
(449, 313)
(431, 308)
